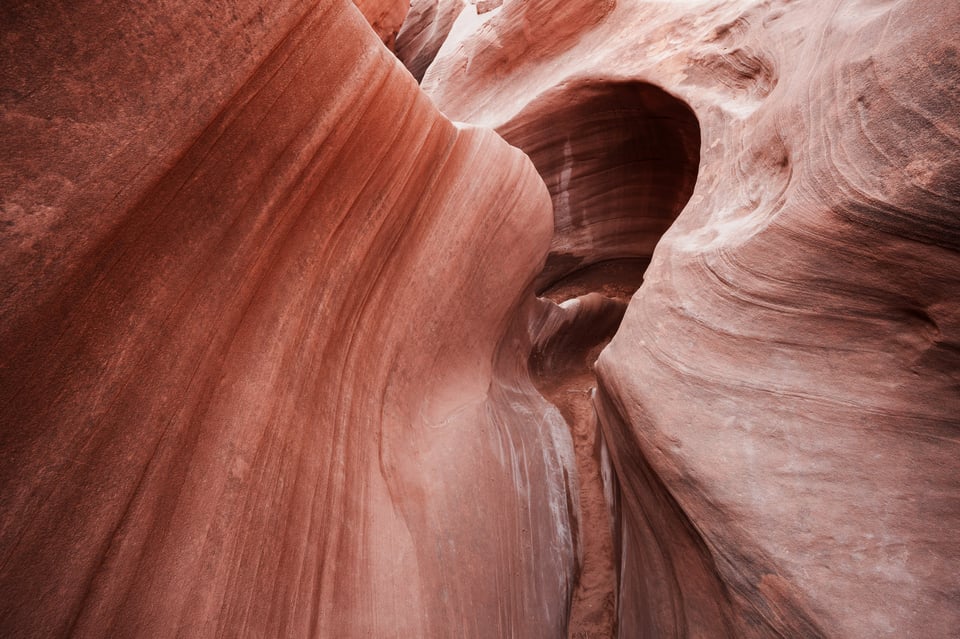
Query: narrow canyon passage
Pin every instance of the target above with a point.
(567, 341)
(620, 161)
(297, 346)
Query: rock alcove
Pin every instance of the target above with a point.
(620, 160)
(296, 346)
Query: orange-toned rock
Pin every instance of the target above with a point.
(273, 364)
(424, 32)
(385, 16)
(264, 338)
(781, 403)
(620, 160)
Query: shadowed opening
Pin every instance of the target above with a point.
(620, 160)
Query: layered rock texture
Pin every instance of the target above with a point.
(263, 327)
(385, 16)
(424, 31)
(637, 319)
(781, 403)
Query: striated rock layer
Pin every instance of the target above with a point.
(265, 334)
(620, 160)
(424, 32)
(274, 364)
(781, 404)
(385, 16)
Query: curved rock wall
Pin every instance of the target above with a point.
(424, 32)
(385, 16)
(781, 401)
(273, 364)
(620, 160)
(260, 374)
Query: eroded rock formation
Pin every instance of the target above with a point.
(781, 402)
(620, 160)
(424, 32)
(275, 364)
(261, 375)
(385, 16)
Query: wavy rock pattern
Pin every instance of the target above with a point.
(274, 364)
(620, 160)
(780, 404)
(385, 16)
(424, 32)
(260, 374)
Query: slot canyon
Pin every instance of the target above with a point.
(480, 319)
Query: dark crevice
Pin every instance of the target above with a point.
(423, 33)
(567, 341)
(620, 160)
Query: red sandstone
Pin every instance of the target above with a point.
(275, 365)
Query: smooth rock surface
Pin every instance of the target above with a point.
(385, 16)
(782, 401)
(424, 31)
(261, 374)
(273, 364)
(620, 160)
